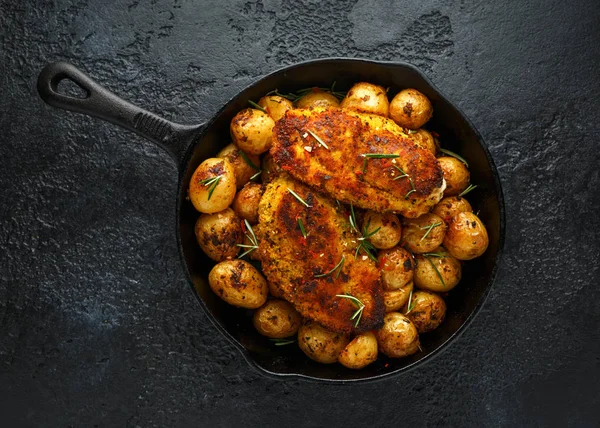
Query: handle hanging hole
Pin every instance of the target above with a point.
(71, 89)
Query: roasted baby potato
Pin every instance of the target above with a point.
(425, 140)
(396, 266)
(275, 106)
(360, 352)
(394, 300)
(438, 271)
(467, 237)
(238, 283)
(320, 344)
(398, 337)
(318, 98)
(424, 233)
(456, 175)
(212, 187)
(410, 109)
(244, 169)
(219, 234)
(277, 319)
(367, 98)
(269, 168)
(387, 226)
(252, 131)
(450, 206)
(427, 310)
(245, 203)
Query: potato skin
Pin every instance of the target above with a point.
(456, 174)
(219, 234)
(390, 230)
(245, 203)
(360, 352)
(397, 266)
(427, 311)
(224, 192)
(320, 344)
(398, 337)
(412, 233)
(270, 169)
(426, 277)
(467, 237)
(277, 319)
(243, 171)
(367, 98)
(411, 109)
(238, 283)
(449, 206)
(252, 131)
(317, 98)
(275, 106)
(394, 300)
(424, 139)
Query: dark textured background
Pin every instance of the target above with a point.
(98, 324)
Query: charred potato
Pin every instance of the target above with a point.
(450, 206)
(245, 203)
(219, 234)
(320, 344)
(396, 265)
(398, 337)
(456, 175)
(212, 187)
(424, 233)
(425, 140)
(427, 311)
(238, 283)
(317, 98)
(467, 237)
(252, 131)
(394, 300)
(277, 319)
(367, 98)
(437, 271)
(360, 352)
(387, 226)
(410, 109)
(243, 169)
(269, 168)
(275, 106)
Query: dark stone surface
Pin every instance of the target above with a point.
(99, 327)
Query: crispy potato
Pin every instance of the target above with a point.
(320, 344)
(430, 268)
(424, 139)
(411, 109)
(424, 233)
(270, 169)
(456, 175)
(396, 266)
(367, 98)
(389, 232)
(242, 169)
(427, 311)
(273, 290)
(275, 106)
(277, 319)
(252, 131)
(212, 187)
(398, 337)
(360, 352)
(450, 206)
(219, 234)
(245, 203)
(467, 237)
(238, 283)
(317, 98)
(394, 300)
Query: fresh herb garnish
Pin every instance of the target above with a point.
(212, 182)
(301, 225)
(295, 96)
(360, 305)
(402, 175)
(252, 238)
(376, 156)
(364, 243)
(249, 161)
(439, 275)
(316, 137)
(454, 155)
(337, 268)
(299, 198)
(411, 304)
(256, 106)
(467, 190)
(429, 229)
(282, 342)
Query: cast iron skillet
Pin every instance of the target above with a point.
(190, 145)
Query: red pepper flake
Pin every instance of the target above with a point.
(386, 365)
(381, 263)
(359, 172)
(303, 241)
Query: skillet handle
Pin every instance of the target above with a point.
(100, 102)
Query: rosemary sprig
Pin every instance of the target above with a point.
(337, 268)
(212, 182)
(440, 255)
(295, 96)
(467, 190)
(411, 304)
(256, 106)
(249, 161)
(302, 201)
(302, 230)
(454, 155)
(360, 305)
(429, 229)
(376, 156)
(364, 244)
(252, 238)
(282, 342)
(316, 137)
(439, 275)
(404, 174)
